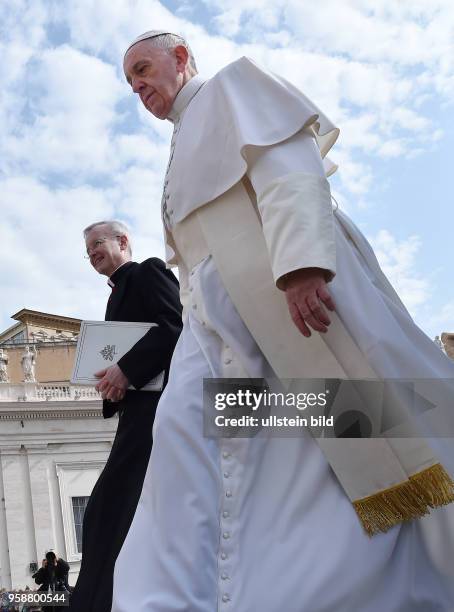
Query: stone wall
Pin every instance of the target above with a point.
(53, 445)
(448, 342)
(54, 362)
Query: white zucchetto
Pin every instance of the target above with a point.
(150, 34)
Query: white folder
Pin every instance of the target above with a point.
(102, 343)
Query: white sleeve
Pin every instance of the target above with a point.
(294, 202)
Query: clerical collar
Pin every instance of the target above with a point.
(118, 273)
(185, 95)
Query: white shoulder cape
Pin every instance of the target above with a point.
(241, 106)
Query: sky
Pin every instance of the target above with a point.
(77, 147)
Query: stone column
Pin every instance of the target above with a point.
(19, 515)
(5, 570)
(40, 499)
(3, 366)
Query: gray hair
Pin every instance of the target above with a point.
(116, 228)
(166, 40)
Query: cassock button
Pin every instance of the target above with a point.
(226, 514)
(227, 361)
(226, 535)
(224, 556)
(224, 576)
(225, 598)
(225, 455)
(226, 475)
(228, 493)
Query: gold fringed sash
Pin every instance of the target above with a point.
(435, 485)
(430, 488)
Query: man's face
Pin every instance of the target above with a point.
(156, 75)
(105, 250)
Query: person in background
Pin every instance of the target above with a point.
(140, 292)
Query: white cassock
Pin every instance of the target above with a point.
(262, 524)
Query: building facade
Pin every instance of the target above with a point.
(54, 443)
(447, 341)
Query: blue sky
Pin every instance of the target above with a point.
(77, 146)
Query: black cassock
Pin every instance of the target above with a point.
(145, 292)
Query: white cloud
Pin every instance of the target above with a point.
(142, 150)
(72, 98)
(23, 34)
(398, 260)
(393, 148)
(355, 176)
(361, 132)
(42, 248)
(409, 120)
(262, 13)
(370, 30)
(107, 27)
(443, 319)
(138, 192)
(358, 52)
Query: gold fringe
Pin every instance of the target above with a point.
(430, 488)
(383, 510)
(435, 485)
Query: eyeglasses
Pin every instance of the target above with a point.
(97, 243)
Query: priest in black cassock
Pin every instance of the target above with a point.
(145, 292)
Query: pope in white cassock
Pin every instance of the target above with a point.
(276, 282)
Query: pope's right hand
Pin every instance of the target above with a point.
(307, 295)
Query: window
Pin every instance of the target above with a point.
(16, 339)
(76, 480)
(79, 505)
